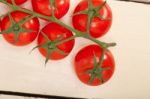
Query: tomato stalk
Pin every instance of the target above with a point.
(52, 5)
(54, 19)
(91, 13)
(65, 40)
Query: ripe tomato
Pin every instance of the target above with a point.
(53, 31)
(25, 37)
(43, 7)
(0, 25)
(18, 2)
(84, 62)
(99, 26)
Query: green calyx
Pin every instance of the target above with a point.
(94, 11)
(17, 27)
(97, 71)
(50, 46)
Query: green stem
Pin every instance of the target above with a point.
(102, 44)
(52, 6)
(78, 33)
(102, 57)
(90, 16)
(65, 40)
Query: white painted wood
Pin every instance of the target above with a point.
(20, 71)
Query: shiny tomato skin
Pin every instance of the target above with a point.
(24, 37)
(53, 31)
(84, 62)
(43, 7)
(18, 2)
(98, 27)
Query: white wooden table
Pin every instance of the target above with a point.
(22, 72)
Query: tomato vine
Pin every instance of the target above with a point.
(91, 12)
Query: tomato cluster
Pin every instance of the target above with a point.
(93, 65)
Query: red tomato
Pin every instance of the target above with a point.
(24, 38)
(84, 62)
(98, 27)
(18, 2)
(43, 7)
(53, 31)
(0, 25)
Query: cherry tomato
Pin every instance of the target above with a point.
(43, 7)
(54, 31)
(0, 25)
(18, 2)
(84, 65)
(99, 26)
(24, 37)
